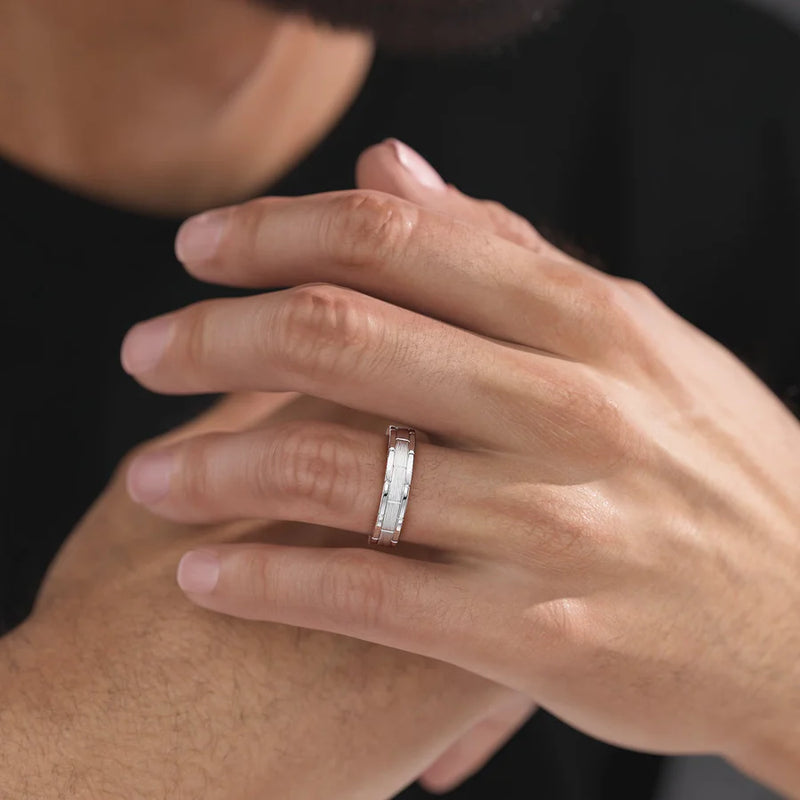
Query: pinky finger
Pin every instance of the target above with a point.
(378, 597)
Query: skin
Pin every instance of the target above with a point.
(229, 97)
(231, 93)
(611, 496)
(65, 68)
(117, 687)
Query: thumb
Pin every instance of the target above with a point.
(473, 750)
(395, 168)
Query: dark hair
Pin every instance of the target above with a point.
(430, 25)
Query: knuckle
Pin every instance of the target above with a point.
(551, 530)
(604, 298)
(314, 464)
(639, 345)
(354, 588)
(556, 618)
(563, 541)
(510, 225)
(255, 576)
(367, 228)
(632, 314)
(497, 214)
(196, 345)
(558, 627)
(247, 237)
(194, 486)
(638, 290)
(593, 406)
(582, 531)
(322, 330)
(244, 227)
(579, 414)
(602, 430)
(601, 306)
(620, 307)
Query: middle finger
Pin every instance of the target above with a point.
(363, 353)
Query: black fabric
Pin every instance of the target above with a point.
(661, 137)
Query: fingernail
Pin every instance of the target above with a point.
(199, 237)
(198, 572)
(149, 477)
(417, 166)
(145, 343)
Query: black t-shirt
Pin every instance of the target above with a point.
(661, 137)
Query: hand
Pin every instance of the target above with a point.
(611, 496)
(472, 751)
(118, 687)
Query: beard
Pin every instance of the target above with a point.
(429, 26)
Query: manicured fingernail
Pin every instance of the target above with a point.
(145, 343)
(199, 237)
(417, 166)
(198, 572)
(149, 477)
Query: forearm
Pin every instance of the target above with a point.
(118, 687)
(360, 723)
(35, 734)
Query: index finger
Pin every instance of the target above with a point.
(411, 256)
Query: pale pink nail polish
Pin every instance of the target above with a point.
(417, 166)
(198, 572)
(149, 477)
(199, 237)
(145, 343)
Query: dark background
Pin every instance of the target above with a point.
(659, 137)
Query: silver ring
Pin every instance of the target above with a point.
(396, 486)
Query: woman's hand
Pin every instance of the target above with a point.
(611, 497)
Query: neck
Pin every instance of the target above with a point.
(168, 107)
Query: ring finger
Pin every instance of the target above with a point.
(318, 473)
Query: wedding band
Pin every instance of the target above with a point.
(396, 486)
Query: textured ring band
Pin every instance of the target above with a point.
(396, 486)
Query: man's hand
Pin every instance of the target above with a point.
(612, 497)
(118, 687)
